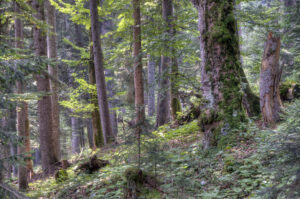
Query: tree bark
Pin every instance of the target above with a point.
(270, 75)
(75, 135)
(138, 74)
(175, 102)
(151, 85)
(220, 71)
(90, 132)
(96, 121)
(52, 69)
(48, 155)
(99, 73)
(22, 115)
(163, 106)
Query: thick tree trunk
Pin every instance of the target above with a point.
(270, 75)
(48, 155)
(220, 71)
(96, 121)
(151, 85)
(76, 134)
(163, 106)
(99, 74)
(138, 73)
(51, 45)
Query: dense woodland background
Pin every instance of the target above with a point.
(149, 99)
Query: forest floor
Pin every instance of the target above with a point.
(263, 164)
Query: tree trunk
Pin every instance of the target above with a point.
(52, 69)
(175, 102)
(75, 135)
(163, 106)
(99, 74)
(270, 75)
(220, 71)
(90, 132)
(96, 121)
(138, 73)
(151, 85)
(48, 155)
(22, 114)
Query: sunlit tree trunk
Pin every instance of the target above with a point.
(220, 71)
(48, 155)
(96, 121)
(51, 45)
(270, 75)
(163, 106)
(151, 85)
(99, 74)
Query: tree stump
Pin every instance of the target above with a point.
(270, 75)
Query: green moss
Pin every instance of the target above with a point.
(176, 106)
(61, 176)
(134, 174)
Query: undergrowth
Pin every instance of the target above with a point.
(263, 164)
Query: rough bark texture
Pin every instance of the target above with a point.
(138, 73)
(163, 106)
(22, 111)
(220, 71)
(96, 121)
(75, 134)
(137, 64)
(175, 102)
(52, 69)
(90, 132)
(151, 85)
(99, 73)
(270, 75)
(48, 155)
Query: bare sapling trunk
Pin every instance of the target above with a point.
(270, 75)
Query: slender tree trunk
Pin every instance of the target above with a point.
(163, 106)
(51, 45)
(220, 72)
(151, 85)
(48, 155)
(89, 126)
(75, 135)
(13, 152)
(270, 75)
(96, 121)
(99, 74)
(22, 114)
(138, 73)
(175, 102)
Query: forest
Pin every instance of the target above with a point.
(153, 99)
